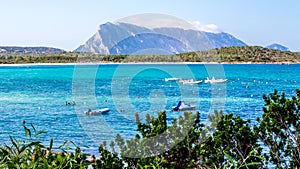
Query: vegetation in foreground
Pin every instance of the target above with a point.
(255, 54)
(233, 144)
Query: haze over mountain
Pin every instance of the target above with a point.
(277, 46)
(16, 50)
(125, 38)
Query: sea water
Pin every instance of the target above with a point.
(38, 95)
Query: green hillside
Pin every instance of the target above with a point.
(254, 54)
(257, 54)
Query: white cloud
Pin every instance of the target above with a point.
(206, 27)
(152, 20)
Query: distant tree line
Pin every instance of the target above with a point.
(254, 54)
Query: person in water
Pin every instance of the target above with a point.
(89, 112)
(69, 103)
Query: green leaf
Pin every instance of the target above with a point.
(51, 144)
(250, 164)
(13, 141)
(27, 131)
(33, 128)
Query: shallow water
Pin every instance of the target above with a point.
(37, 94)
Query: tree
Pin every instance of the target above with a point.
(233, 139)
(189, 144)
(279, 129)
(162, 146)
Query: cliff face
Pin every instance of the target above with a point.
(124, 38)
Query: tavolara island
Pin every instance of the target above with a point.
(125, 38)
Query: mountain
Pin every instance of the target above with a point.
(124, 38)
(223, 40)
(14, 50)
(155, 44)
(278, 47)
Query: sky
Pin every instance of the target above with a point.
(66, 24)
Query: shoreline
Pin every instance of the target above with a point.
(145, 63)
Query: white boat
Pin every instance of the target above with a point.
(171, 79)
(191, 81)
(213, 80)
(181, 106)
(97, 112)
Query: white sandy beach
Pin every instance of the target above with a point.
(136, 63)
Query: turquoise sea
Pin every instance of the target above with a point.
(38, 95)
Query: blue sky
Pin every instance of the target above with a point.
(67, 24)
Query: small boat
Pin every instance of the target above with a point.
(171, 79)
(213, 80)
(181, 106)
(97, 112)
(191, 81)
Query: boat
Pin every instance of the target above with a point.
(191, 81)
(213, 80)
(171, 79)
(97, 112)
(181, 106)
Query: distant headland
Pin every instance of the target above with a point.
(234, 54)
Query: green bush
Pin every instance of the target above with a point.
(279, 130)
(33, 154)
